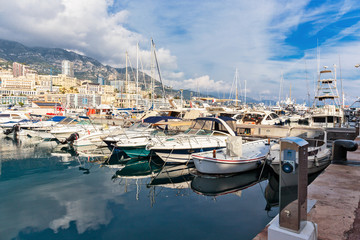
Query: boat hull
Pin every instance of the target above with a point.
(135, 152)
(216, 166)
(180, 155)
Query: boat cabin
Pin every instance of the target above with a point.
(260, 118)
(213, 125)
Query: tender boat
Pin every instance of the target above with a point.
(237, 157)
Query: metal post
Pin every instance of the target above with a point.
(293, 183)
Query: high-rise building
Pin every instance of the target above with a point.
(18, 69)
(67, 68)
(100, 80)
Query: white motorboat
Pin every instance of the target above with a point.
(237, 157)
(94, 139)
(62, 131)
(11, 116)
(206, 133)
(135, 138)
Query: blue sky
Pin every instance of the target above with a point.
(201, 43)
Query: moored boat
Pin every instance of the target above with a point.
(237, 157)
(206, 133)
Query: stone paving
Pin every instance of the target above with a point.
(337, 195)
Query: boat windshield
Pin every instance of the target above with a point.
(68, 121)
(253, 117)
(139, 125)
(207, 127)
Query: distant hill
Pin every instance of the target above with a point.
(45, 60)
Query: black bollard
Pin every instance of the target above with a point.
(340, 149)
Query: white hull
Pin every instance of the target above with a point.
(253, 156)
(180, 149)
(175, 158)
(39, 134)
(215, 167)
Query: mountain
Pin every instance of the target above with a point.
(45, 60)
(48, 60)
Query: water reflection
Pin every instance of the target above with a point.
(174, 177)
(220, 185)
(52, 191)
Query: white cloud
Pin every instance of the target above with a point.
(203, 84)
(193, 39)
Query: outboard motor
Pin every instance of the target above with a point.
(71, 138)
(340, 149)
(15, 129)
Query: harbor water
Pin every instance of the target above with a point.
(50, 191)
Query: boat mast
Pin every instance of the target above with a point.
(290, 91)
(307, 84)
(236, 80)
(342, 90)
(158, 69)
(281, 86)
(126, 79)
(152, 74)
(245, 93)
(137, 75)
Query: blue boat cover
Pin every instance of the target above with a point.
(56, 118)
(156, 119)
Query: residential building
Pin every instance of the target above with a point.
(21, 82)
(78, 100)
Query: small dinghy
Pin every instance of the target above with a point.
(235, 158)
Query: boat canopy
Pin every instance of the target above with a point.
(155, 119)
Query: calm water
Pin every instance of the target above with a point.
(52, 192)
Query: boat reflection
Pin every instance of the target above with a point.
(136, 169)
(173, 176)
(210, 185)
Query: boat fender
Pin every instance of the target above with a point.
(316, 161)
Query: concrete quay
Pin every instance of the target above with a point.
(337, 194)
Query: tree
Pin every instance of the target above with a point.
(21, 104)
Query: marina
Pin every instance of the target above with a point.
(106, 135)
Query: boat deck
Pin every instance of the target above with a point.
(337, 195)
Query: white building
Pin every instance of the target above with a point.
(82, 100)
(67, 68)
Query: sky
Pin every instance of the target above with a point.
(200, 44)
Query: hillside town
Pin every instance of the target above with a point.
(21, 85)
